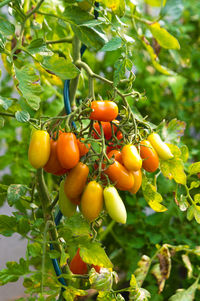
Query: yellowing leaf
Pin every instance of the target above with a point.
(157, 206)
(163, 37)
(117, 6)
(155, 2)
(174, 169)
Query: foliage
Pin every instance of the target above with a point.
(145, 56)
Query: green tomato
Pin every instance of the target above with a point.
(160, 147)
(114, 205)
(66, 206)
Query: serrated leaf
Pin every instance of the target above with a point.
(71, 292)
(61, 67)
(5, 102)
(22, 116)
(93, 253)
(34, 249)
(142, 270)
(194, 168)
(173, 169)
(91, 37)
(119, 70)
(14, 271)
(102, 281)
(28, 85)
(7, 225)
(163, 37)
(6, 28)
(186, 294)
(137, 293)
(113, 44)
(14, 193)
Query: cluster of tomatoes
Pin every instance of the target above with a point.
(88, 185)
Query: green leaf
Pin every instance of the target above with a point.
(60, 66)
(38, 46)
(172, 9)
(22, 116)
(119, 70)
(186, 294)
(7, 225)
(76, 16)
(91, 37)
(53, 254)
(197, 198)
(190, 212)
(152, 197)
(154, 58)
(163, 37)
(34, 249)
(197, 213)
(194, 168)
(3, 193)
(6, 28)
(63, 258)
(142, 270)
(14, 271)
(71, 292)
(28, 85)
(93, 253)
(137, 293)
(194, 184)
(14, 193)
(177, 84)
(2, 121)
(113, 44)
(23, 226)
(102, 281)
(5, 102)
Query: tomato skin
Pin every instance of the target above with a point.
(39, 149)
(160, 147)
(107, 129)
(92, 201)
(137, 181)
(53, 165)
(66, 206)
(116, 154)
(114, 205)
(97, 268)
(131, 157)
(83, 148)
(77, 265)
(150, 158)
(103, 110)
(76, 180)
(120, 176)
(67, 150)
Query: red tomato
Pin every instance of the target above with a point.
(120, 176)
(97, 268)
(150, 158)
(77, 265)
(83, 148)
(53, 165)
(137, 181)
(67, 150)
(103, 110)
(107, 129)
(116, 154)
(76, 180)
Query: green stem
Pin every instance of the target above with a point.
(107, 230)
(76, 44)
(13, 116)
(35, 9)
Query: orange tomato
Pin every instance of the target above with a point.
(77, 265)
(150, 158)
(76, 180)
(120, 176)
(53, 165)
(131, 157)
(103, 110)
(67, 150)
(137, 181)
(83, 148)
(107, 129)
(116, 154)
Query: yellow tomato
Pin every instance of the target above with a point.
(160, 147)
(131, 158)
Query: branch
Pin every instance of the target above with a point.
(35, 9)
(5, 2)
(65, 40)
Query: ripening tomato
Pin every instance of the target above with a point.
(67, 150)
(92, 201)
(131, 157)
(160, 147)
(120, 176)
(76, 180)
(97, 268)
(83, 148)
(150, 158)
(77, 265)
(116, 155)
(103, 110)
(107, 129)
(114, 204)
(53, 165)
(39, 149)
(137, 181)
(66, 206)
